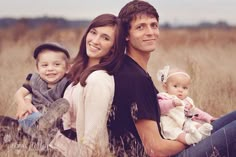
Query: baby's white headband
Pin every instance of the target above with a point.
(162, 74)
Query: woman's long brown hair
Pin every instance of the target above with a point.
(110, 62)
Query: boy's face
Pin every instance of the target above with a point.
(51, 66)
(143, 34)
(178, 85)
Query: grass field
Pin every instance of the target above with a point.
(209, 57)
(207, 54)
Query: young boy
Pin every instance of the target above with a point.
(39, 101)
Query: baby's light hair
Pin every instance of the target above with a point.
(176, 73)
(166, 73)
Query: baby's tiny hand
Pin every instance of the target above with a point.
(213, 119)
(188, 106)
(177, 102)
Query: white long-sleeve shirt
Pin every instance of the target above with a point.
(88, 114)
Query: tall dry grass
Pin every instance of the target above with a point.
(209, 57)
(16, 46)
(207, 54)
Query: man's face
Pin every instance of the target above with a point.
(143, 34)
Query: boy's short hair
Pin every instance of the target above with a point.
(50, 46)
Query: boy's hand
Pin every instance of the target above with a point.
(25, 109)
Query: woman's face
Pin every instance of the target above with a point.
(99, 42)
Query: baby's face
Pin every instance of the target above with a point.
(178, 85)
(51, 66)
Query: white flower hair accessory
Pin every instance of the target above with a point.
(162, 74)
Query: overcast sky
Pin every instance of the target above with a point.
(173, 11)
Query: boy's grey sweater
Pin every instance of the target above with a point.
(41, 94)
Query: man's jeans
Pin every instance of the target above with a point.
(221, 143)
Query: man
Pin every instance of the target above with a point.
(134, 120)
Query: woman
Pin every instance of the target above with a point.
(91, 92)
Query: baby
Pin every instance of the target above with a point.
(180, 119)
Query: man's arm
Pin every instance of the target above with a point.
(154, 144)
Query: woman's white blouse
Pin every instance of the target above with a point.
(89, 109)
